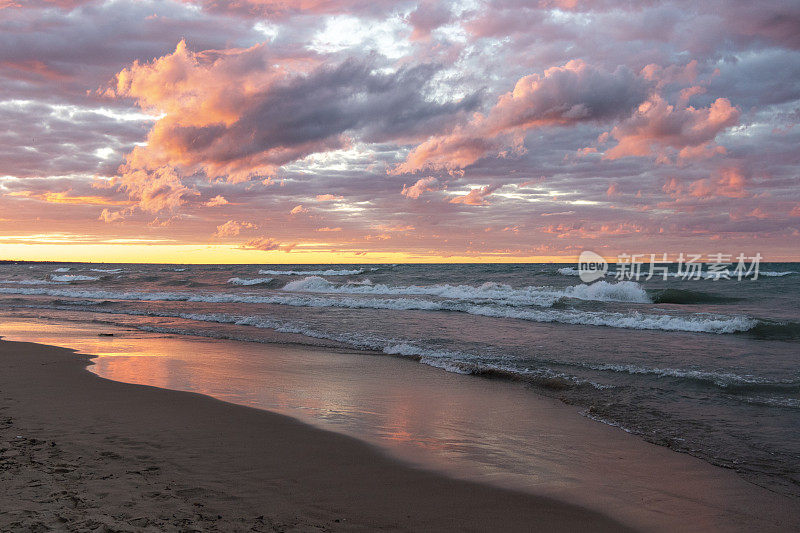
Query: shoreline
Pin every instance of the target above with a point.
(81, 451)
(570, 457)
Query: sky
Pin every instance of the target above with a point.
(269, 131)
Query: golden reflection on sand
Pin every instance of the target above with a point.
(467, 427)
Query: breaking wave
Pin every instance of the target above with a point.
(568, 271)
(73, 277)
(455, 361)
(572, 271)
(625, 291)
(254, 281)
(700, 322)
(330, 272)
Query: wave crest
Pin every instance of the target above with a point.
(253, 281)
(73, 277)
(701, 323)
(329, 272)
(624, 291)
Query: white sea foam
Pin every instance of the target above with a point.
(607, 422)
(463, 363)
(452, 361)
(568, 271)
(330, 272)
(572, 271)
(108, 270)
(64, 269)
(720, 378)
(293, 300)
(26, 282)
(73, 277)
(792, 403)
(624, 291)
(698, 322)
(603, 291)
(253, 281)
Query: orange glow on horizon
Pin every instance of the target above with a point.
(232, 254)
(65, 198)
(86, 251)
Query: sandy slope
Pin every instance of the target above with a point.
(82, 453)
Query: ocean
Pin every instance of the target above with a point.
(706, 367)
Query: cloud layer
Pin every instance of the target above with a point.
(489, 129)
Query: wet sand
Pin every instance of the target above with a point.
(80, 452)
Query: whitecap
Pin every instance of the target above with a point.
(698, 322)
(254, 281)
(624, 291)
(329, 272)
(73, 277)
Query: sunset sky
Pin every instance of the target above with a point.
(369, 131)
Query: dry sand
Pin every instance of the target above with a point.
(78, 452)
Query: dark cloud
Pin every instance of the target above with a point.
(560, 96)
(42, 139)
(539, 127)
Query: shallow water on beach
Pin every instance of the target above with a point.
(490, 431)
(706, 367)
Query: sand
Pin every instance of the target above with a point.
(79, 452)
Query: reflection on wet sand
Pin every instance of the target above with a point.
(468, 427)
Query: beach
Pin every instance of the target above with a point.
(399, 397)
(418, 266)
(83, 453)
(703, 367)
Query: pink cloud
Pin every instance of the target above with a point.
(216, 201)
(687, 93)
(298, 210)
(199, 96)
(242, 113)
(155, 188)
(110, 216)
(427, 17)
(679, 74)
(395, 228)
(232, 228)
(660, 129)
(475, 196)
(281, 9)
(422, 185)
(264, 244)
(728, 182)
(328, 197)
(568, 94)
(62, 4)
